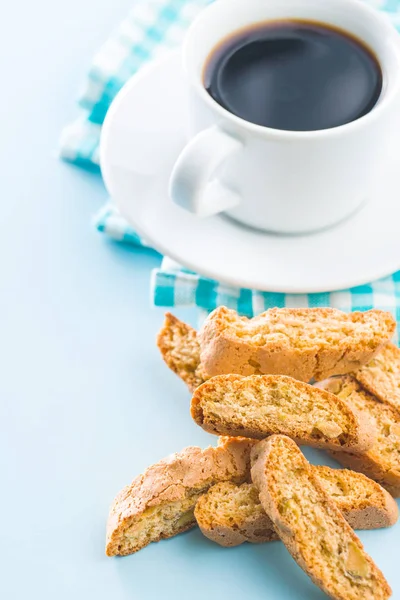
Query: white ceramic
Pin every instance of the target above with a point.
(141, 140)
(283, 181)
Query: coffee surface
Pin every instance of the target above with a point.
(294, 75)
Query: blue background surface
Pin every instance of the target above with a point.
(85, 401)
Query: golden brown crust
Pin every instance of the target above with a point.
(302, 343)
(253, 532)
(381, 376)
(160, 503)
(230, 514)
(311, 526)
(180, 350)
(382, 461)
(261, 405)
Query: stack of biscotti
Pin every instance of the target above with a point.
(159, 503)
(230, 513)
(249, 378)
(244, 490)
(176, 493)
(300, 343)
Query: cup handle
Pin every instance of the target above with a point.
(193, 184)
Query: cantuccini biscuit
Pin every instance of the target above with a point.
(311, 526)
(261, 405)
(303, 343)
(160, 503)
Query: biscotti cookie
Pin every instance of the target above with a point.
(311, 526)
(230, 514)
(363, 502)
(381, 376)
(304, 343)
(261, 405)
(180, 350)
(382, 461)
(160, 503)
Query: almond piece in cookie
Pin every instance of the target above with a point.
(311, 526)
(261, 405)
(303, 343)
(160, 503)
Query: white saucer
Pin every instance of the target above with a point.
(142, 136)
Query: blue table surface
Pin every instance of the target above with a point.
(85, 401)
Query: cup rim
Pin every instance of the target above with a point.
(383, 102)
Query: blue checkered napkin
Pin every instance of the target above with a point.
(173, 285)
(108, 220)
(152, 27)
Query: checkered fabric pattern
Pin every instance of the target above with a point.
(108, 220)
(154, 27)
(151, 28)
(175, 286)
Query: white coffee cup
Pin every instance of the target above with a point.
(277, 180)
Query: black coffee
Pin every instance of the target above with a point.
(294, 75)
